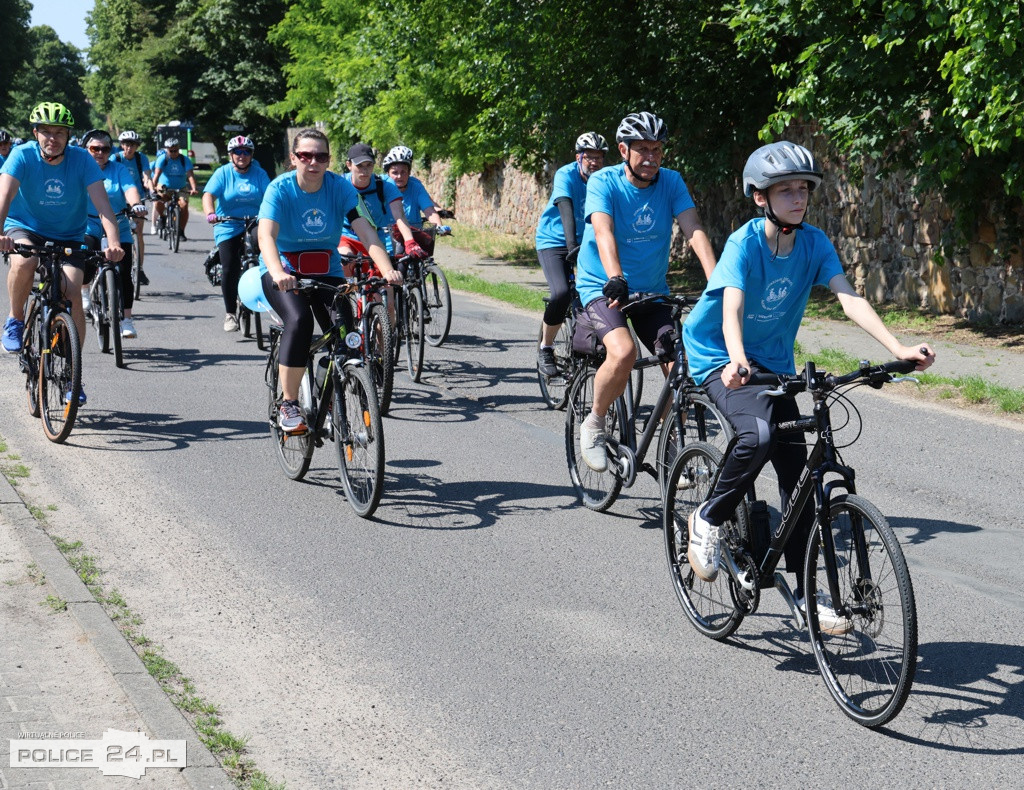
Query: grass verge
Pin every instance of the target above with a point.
(511, 293)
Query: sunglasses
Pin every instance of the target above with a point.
(99, 149)
(308, 156)
(241, 152)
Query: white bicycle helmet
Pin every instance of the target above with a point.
(240, 141)
(781, 161)
(400, 154)
(641, 126)
(128, 136)
(591, 141)
(172, 142)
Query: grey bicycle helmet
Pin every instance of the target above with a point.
(400, 154)
(781, 161)
(641, 126)
(128, 136)
(95, 134)
(590, 141)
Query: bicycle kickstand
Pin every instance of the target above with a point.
(783, 587)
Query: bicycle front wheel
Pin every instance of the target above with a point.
(414, 334)
(30, 354)
(437, 304)
(868, 661)
(60, 378)
(293, 451)
(377, 353)
(136, 268)
(98, 310)
(712, 607)
(113, 310)
(173, 239)
(358, 438)
(596, 490)
(554, 389)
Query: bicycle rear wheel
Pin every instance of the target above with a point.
(710, 606)
(172, 228)
(98, 309)
(437, 304)
(703, 422)
(596, 490)
(377, 353)
(136, 268)
(554, 389)
(60, 378)
(29, 356)
(414, 334)
(293, 451)
(868, 670)
(358, 438)
(113, 310)
(244, 317)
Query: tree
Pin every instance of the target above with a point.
(14, 22)
(54, 72)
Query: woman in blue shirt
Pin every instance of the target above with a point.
(234, 190)
(300, 222)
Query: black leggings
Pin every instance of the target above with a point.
(556, 272)
(754, 420)
(297, 310)
(231, 268)
(124, 266)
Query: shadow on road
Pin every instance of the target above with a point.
(155, 432)
(922, 530)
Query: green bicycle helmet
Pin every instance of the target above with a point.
(51, 113)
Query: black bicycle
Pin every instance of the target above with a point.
(50, 356)
(106, 308)
(410, 315)
(437, 297)
(136, 262)
(683, 411)
(169, 225)
(245, 317)
(370, 311)
(860, 614)
(338, 402)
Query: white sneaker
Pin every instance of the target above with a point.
(593, 447)
(230, 323)
(128, 328)
(86, 301)
(705, 548)
(829, 620)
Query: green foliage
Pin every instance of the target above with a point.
(14, 22)
(53, 72)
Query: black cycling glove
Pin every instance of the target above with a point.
(617, 290)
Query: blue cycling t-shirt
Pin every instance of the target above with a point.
(309, 221)
(568, 183)
(380, 212)
(415, 200)
(133, 166)
(116, 179)
(775, 295)
(236, 195)
(643, 229)
(52, 200)
(173, 172)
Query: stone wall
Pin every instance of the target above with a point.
(888, 239)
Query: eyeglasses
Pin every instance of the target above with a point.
(127, 143)
(308, 156)
(241, 152)
(100, 149)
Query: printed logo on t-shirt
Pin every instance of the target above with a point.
(244, 188)
(643, 219)
(776, 293)
(314, 221)
(54, 190)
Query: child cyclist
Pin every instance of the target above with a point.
(746, 322)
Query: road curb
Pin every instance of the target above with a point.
(163, 720)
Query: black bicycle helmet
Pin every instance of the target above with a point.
(95, 134)
(781, 161)
(5, 136)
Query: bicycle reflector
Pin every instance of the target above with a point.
(353, 340)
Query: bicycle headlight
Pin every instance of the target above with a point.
(353, 340)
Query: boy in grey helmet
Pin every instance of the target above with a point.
(746, 322)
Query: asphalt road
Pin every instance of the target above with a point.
(483, 630)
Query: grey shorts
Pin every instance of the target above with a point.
(28, 237)
(651, 322)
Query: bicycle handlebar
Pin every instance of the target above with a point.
(641, 298)
(813, 380)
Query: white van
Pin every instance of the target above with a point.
(205, 155)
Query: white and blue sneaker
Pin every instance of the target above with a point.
(705, 548)
(829, 620)
(12, 336)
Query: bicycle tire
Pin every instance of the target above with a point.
(710, 606)
(596, 490)
(377, 353)
(136, 268)
(113, 307)
(293, 451)
(869, 670)
(437, 302)
(704, 422)
(60, 374)
(30, 354)
(98, 309)
(172, 228)
(260, 342)
(358, 438)
(554, 390)
(414, 334)
(244, 317)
